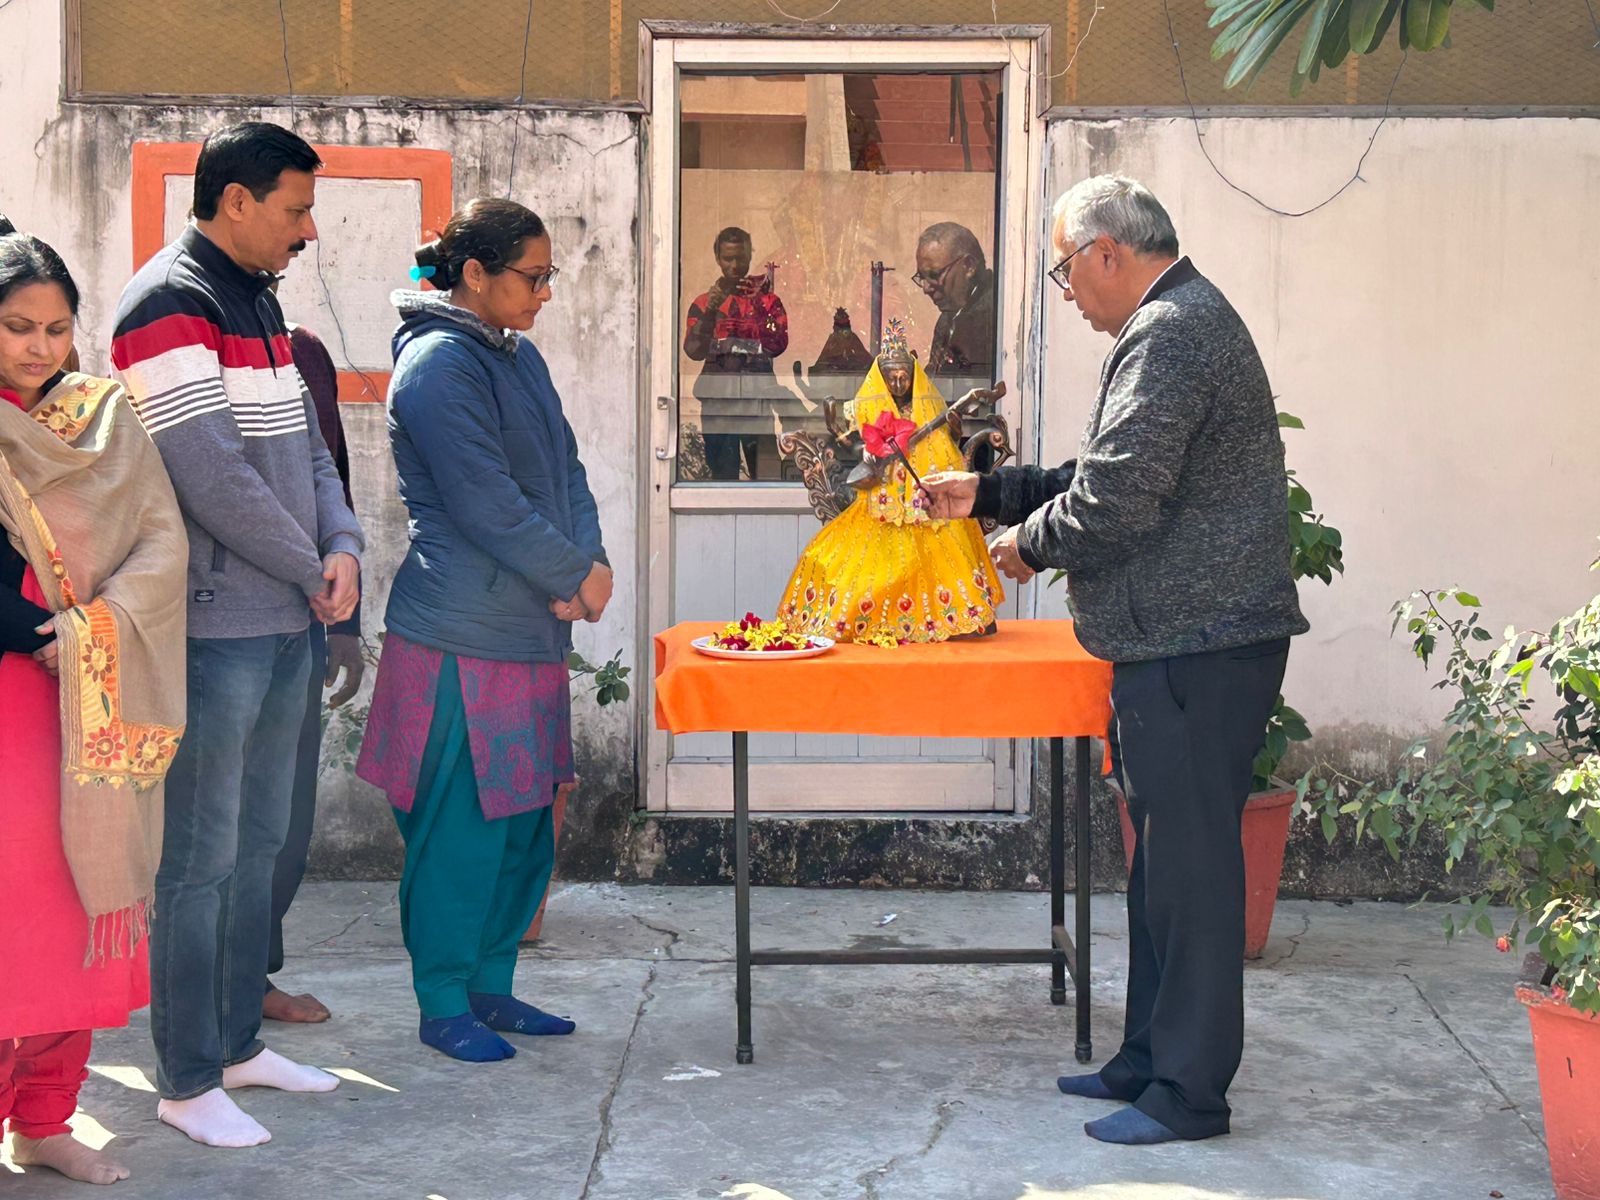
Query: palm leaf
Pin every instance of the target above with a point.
(1254, 54)
(1368, 20)
(1427, 22)
(1336, 42)
(1235, 35)
(1312, 46)
(1223, 11)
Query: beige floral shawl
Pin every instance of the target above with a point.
(84, 498)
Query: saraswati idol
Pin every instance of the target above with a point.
(882, 570)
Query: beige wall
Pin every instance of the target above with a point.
(1435, 327)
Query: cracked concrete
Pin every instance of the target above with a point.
(603, 1142)
(943, 1113)
(1380, 1062)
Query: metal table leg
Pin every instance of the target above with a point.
(746, 1052)
(1080, 977)
(1058, 867)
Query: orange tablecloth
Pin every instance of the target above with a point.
(1030, 680)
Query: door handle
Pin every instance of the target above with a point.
(669, 451)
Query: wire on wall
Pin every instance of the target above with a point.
(522, 91)
(1199, 136)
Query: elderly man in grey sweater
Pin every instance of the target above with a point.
(1172, 527)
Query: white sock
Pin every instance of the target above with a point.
(213, 1119)
(273, 1070)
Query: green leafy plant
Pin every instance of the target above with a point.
(1316, 551)
(610, 679)
(1514, 784)
(1253, 30)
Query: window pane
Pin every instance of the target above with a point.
(815, 207)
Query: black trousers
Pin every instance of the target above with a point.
(1185, 732)
(290, 867)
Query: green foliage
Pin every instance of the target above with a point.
(610, 680)
(1285, 725)
(1512, 784)
(1253, 30)
(1316, 551)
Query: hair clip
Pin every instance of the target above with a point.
(421, 273)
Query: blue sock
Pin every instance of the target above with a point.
(1130, 1127)
(1090, 1086)
(510, 1015)
(464, 1038)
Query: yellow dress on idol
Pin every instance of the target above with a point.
(883, 570)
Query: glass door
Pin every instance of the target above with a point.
(798, 207)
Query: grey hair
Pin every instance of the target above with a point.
(957, 239)
(1117, 207)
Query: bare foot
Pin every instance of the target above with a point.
(213, 1119)
(71, 1158)
(304, 1009)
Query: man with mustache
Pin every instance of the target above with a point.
(202, 347)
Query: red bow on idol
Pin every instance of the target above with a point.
(891, 434)
(887, 435)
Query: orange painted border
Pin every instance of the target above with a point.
(432, 169)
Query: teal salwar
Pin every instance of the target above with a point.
(470, 886)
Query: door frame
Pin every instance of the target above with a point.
(666, 47)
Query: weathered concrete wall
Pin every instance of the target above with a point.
(66, 175)
(1432, 326)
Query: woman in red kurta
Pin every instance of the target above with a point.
(75, 844)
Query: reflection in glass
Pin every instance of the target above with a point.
(736, 327)
(831, 204)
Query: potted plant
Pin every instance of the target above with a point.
(1316, 551)
(1514, 784)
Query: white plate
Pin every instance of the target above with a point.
(821, 646)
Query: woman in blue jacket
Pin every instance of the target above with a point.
(470, 727)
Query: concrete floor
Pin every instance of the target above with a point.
(1380, 1062)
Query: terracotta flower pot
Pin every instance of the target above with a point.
(557, 811)
(1566, 1045)
(1264, 833)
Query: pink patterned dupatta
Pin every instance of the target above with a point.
(519, 727)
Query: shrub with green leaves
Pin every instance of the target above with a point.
(1515, 782)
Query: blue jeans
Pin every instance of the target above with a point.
(227, 813)
(291, 865)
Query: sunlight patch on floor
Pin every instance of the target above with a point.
(89, 1131)
(355, 1076)
(128, 1077)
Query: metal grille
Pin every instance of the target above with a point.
(1540, 53)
